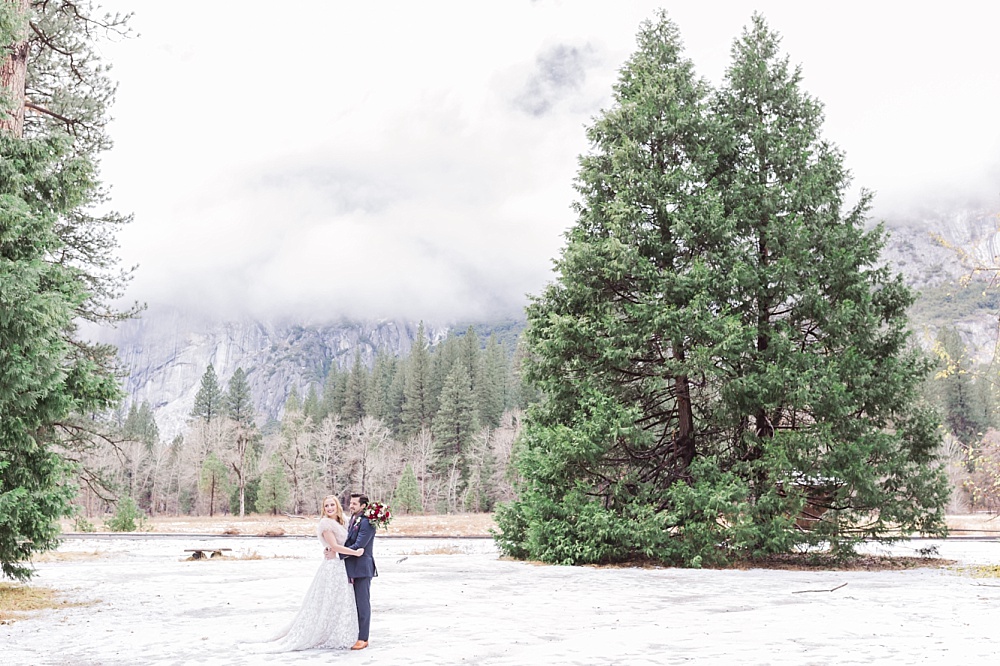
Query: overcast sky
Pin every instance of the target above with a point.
(408, 159)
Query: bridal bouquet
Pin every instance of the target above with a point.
(377, 514)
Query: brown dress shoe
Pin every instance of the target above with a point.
(360, 645)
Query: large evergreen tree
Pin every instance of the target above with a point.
(829, 386)
(57, 262)
(722, 358)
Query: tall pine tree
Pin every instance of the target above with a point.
(238, 403)
(209, 401)
(332, 401)
(274, 492)
(826, 394)
(355, 391)
(378, 399)
(491, 391)
(964, 411)
(722, 358)
(455, 422)
(57, 262)
(418, 408)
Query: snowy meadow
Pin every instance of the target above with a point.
(452, 601)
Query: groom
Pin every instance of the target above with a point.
(361, 534)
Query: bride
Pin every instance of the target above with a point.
(328, 617)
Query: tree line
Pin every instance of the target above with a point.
(431, 431)
(967, 394)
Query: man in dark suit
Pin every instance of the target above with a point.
(361, 570)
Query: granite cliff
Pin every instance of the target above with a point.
(165, 353)
(934, 249)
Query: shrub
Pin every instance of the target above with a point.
(81, 524)
(406, 497)
(127, 518)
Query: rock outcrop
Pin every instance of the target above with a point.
(165, 353)
(934, 249)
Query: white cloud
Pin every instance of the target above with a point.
(416, 159)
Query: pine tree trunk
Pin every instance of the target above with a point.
(684, 451)
(763, 427)
(13, 73)
(685, 436)
(240, 476)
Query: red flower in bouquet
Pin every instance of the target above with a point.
(377, 514)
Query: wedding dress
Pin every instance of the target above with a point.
(328, 617)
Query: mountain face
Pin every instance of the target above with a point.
(934, 249)
(924, 246)
(165, 353)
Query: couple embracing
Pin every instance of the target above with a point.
(336, 611)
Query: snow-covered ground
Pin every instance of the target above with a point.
(454, 602)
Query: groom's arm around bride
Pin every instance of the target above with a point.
(361, 537)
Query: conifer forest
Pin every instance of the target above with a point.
(433, 431)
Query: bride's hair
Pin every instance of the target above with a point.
(339, 516)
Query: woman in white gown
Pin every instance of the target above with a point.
(328, 617)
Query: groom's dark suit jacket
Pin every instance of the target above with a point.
(361, 535)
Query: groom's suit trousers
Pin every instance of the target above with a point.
(362, 595)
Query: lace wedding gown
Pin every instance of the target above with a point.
(328, 617)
